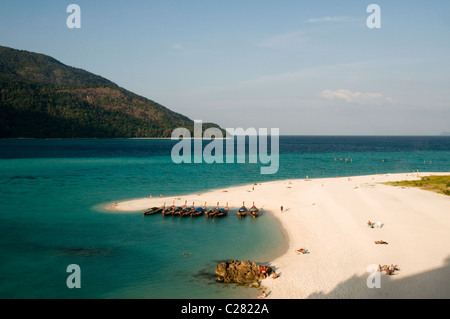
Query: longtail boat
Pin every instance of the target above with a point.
(242, 211)
(221, 212)
(199, 211)
(169, 211)
(153, 210)
(212, 212)
(254, 212)
(185, 212)
(181, 210)
(158, 210)
(177, 211)
(188, 211)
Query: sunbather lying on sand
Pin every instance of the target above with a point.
(380, 242)
(301, 251)
(389, 270)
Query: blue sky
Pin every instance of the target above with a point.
(306, 67)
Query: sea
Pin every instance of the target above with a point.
(54, 193)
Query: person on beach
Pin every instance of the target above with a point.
(301, 251)
(264, 295)
(151, 195)
(281, 208)
(263, 271)
(389, 271)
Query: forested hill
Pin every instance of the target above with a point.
(42, 98)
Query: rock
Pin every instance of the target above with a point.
(254, 284)
(242, 272)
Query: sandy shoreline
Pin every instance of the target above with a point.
(329, 218)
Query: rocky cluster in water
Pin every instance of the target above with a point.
(241, 272)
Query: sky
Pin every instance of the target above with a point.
(305, 67)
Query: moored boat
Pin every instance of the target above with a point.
(177, 211)
(221, 212)
(199, 211)
(153, 210)
(185, 212)
(169, 211)
(242, 211)
(212, 212)
(254, 211)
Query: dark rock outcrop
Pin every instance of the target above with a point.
(241, 272)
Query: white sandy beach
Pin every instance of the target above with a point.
(328, 217)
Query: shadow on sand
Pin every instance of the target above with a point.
(432, 284)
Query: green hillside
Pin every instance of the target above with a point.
(42, 98)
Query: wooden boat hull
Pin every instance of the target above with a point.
(152, 211)
(221, 214)
(242, 211)
(197, 214)
(177, 211)
(185, 213)
(167, 212)
(211, 213)
(254, 212)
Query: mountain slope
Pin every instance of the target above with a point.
(42, 98)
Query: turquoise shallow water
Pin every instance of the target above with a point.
(51, 191)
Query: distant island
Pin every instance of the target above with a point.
(41, 97)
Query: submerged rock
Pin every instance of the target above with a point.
(241, 272)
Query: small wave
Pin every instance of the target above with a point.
(22, 177)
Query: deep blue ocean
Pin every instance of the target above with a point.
(53, 191)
